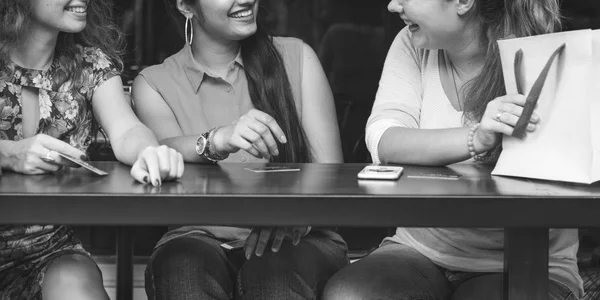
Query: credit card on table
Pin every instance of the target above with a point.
(84, 164)
(273, 169)
(435, 176)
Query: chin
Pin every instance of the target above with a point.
(74, 28)
(246, 33)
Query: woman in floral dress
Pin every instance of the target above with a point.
(59, 77)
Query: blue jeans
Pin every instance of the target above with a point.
(398, 272)
(195, 267)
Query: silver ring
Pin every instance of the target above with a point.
(498, 116)
(48, 157)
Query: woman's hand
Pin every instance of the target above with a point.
(254, 132)
(260, 237)
(500, 117)
(38, 155)
(155, 164)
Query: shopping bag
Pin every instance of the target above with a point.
(563, 69)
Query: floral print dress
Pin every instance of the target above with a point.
(26, 252)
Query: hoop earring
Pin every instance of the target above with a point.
(189, 37)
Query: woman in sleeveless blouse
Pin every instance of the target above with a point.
(441, 100)
(58, 59)
(235, 94)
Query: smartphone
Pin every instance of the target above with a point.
(380, 172)
(233, 245)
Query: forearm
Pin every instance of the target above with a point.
(431, 147)
(186, 145)
(132, 142)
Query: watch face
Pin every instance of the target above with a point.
(201, 145)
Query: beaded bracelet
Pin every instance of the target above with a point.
(470, 145)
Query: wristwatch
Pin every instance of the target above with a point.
(206, 149)
(202, 144)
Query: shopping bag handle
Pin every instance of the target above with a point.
(536, 89)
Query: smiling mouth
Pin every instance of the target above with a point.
(242, 14)
(76, 9)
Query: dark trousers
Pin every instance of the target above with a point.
(196, 267)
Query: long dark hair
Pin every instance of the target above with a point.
(270, 90)
(100, 32)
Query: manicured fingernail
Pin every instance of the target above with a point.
(156, 182)
(282, 139)
(530, 127)
(297, 237)
(145, 179)
(535, 118)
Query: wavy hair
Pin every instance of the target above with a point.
(100, 32)
(500, 19)
(270, 89)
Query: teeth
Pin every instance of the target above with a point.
(242, 14)
(77, 9)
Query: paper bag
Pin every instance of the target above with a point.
(566, 143)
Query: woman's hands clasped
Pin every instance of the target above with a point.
(157, 164)
(255, 132)
(259, 238)
(500, 117)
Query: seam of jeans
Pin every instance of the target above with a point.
(570, 296)
(150, 274)
(238, 284)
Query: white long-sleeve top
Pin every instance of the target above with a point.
(410, 95)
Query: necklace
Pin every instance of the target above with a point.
(455, 87)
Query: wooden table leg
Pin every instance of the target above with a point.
(124, 263)
(526, 264)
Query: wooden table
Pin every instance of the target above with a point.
(318, 195)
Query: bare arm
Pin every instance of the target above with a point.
(153, 111)
(128, 136)
(133, 143)
(318, 111)
(435, 147)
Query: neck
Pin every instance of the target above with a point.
(212, 53)
(467, 54)
(35, 50)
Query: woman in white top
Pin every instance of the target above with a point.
(441, 100)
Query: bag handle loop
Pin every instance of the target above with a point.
(536, 89)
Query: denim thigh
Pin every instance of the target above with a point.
(190, 267)
(295, 272)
